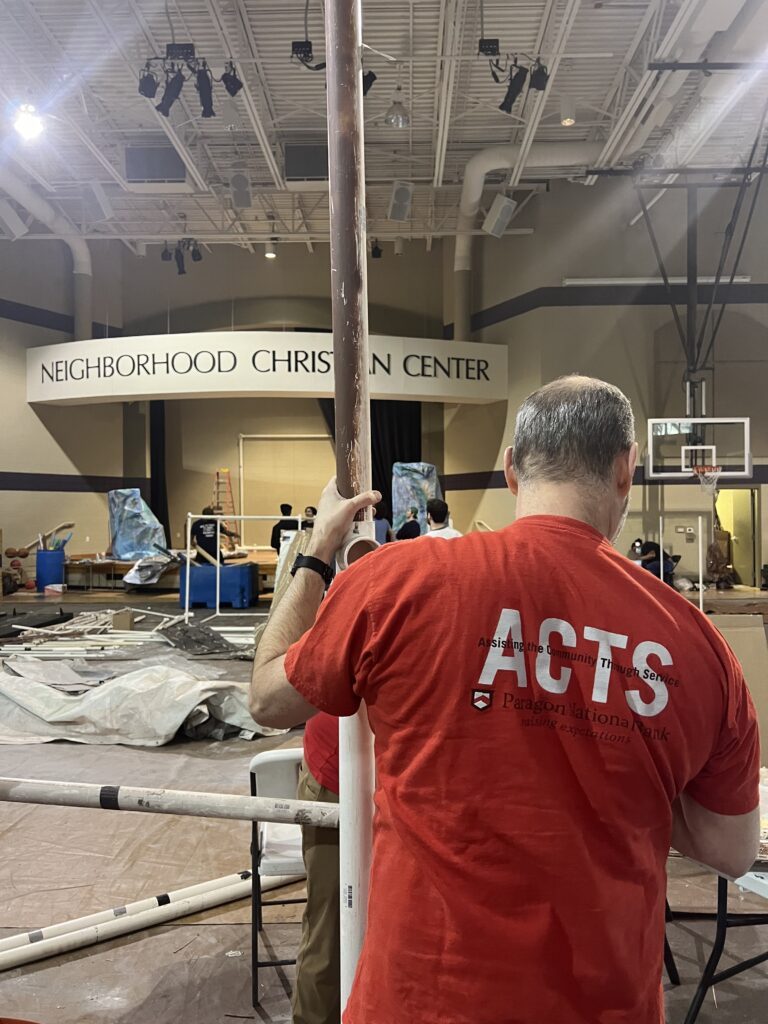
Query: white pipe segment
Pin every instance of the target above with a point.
(60, 227)
(497, 158)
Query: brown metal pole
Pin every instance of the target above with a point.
(349, 279)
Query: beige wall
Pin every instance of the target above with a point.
(72, 441)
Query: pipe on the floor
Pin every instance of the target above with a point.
(138, 907)
(169, 801)
(124, 925)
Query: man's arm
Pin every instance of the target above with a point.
(273, 701)
(726, 842)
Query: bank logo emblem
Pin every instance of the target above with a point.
(482, 699)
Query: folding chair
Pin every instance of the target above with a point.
(275, 848)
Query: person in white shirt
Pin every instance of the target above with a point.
(437, 520)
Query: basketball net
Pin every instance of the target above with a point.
(708, 478)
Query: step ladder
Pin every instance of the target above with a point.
(223, 503)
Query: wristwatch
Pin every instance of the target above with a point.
(316, 565)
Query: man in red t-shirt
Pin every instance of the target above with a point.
(548, 718)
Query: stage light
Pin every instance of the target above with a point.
(397, 116)
(195, 253)
(166, 255)
(178, 255)
(28, 122)
(270, 251)
(376, 251)
(567, 111)
(515, 87)
(368, 79)
(174, 83)
(539, 77)
(204, 86)
(147, 83)
(232, 83)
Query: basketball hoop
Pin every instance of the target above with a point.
(708, 478)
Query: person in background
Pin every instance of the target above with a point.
(203, 538)
(309, 517)
(382, 525)
(283, 524)
(437, 520)
(410, 527)
(650, 559)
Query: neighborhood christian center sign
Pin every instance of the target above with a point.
(218, 364)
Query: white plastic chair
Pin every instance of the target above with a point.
(275, 848)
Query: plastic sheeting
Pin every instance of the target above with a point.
(145, 708)
(133, 526)
(413, 483)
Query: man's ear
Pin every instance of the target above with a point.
(509, 474)
(625, 469)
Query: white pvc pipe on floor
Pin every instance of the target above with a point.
(189, 567)
(661, 548)
(218, 565)
(169, 801)
(103, 932)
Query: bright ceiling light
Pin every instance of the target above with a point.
(397, 116)
(567, 111)
(270, 252)
(28, 122)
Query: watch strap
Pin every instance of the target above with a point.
(316, 565)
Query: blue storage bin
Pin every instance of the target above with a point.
(49, 568)
(239, 585)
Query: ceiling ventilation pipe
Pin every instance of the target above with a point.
(61, 228)
(545, 155)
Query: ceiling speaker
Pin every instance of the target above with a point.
(400, 200)
(499, 216)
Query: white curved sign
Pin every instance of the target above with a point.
(218, 364)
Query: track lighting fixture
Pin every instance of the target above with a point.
(166, 255)
(539, 77)
(368, 79)
(204, 86)
(515, 87)
(178, 255)
(195, 253)
(28, 122)
(376, 250)
(174, 83)
(148, 83)
(232, 83)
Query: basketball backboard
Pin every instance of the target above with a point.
(678, 446)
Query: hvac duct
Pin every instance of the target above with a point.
(61, 228)
(543, 156)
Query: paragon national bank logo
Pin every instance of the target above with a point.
(482, 699)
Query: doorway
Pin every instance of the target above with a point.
(739, 514)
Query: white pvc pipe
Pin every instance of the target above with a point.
(189, 567)
(103, 932)
(218, 566)
(701, 563)
(661, 548)
(103, 916)
(241, 482)
(169, 801)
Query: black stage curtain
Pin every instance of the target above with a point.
(158, 483)
(395, 437)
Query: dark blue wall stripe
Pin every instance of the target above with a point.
(560, 296)
(36, 316)
(63, 482)
(493, 479)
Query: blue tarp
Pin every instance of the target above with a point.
(132, 525)
(413, 483)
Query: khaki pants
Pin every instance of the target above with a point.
(316, 997)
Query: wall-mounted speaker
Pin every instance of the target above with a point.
(400, 200)
(499, 216)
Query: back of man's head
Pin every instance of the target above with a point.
(437, 510)
(572, 431)
(208, 511)
(286, 509)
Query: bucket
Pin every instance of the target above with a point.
(49, 569)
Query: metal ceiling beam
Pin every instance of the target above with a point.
(383, 234)
(451, 20)
(173, 136)
(251, 107)
(566, 25)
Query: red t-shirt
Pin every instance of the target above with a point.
(538, 702)
(321, 750)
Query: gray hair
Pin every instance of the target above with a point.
(572, 429)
